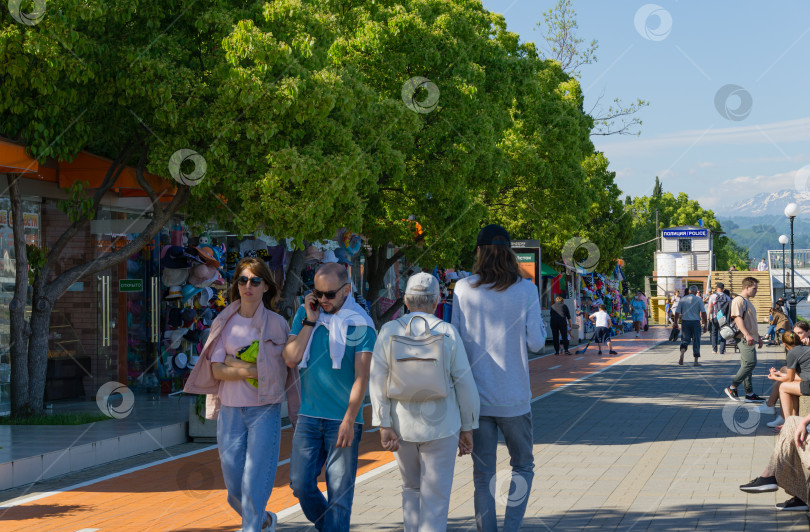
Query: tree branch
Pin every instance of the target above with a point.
(113, 172)
(60, 284)
(145, 184)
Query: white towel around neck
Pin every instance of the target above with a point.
(351, 313)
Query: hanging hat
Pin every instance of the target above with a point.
(207, 254)
(193, 336)
(175, 276)
(174, 319)
(313, 254)
(173, 257)
(180, 362)
(202, 275)
(188, 291)
(207, 317)
(342, 256)
(188, 315)
(173, 293)
(174, 338)
(329, 256)
(206, 296)
(203, 339)
(192, 361)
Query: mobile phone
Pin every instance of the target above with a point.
(313, 305)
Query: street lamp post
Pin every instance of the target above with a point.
(783, 240)
(791, 211)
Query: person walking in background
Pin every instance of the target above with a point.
(497, 313)
(745, 317)
(762, 266)
(691, 314)
(248, 395)
(560, 321)
(424, 434)
(331, 340)
(639, 313)
(601, 320)
(718, 301)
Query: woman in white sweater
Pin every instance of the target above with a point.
(425, 434)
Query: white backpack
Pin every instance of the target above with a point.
(416, 367)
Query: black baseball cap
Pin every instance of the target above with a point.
(493, 234)
(720, 285)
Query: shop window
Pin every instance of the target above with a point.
(685, 245)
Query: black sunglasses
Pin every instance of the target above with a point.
(254, 281)
(332, 294)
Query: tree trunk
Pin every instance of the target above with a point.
(374, 279)
(19, 334)
(292, 283)
(30, 364)
(38, 349)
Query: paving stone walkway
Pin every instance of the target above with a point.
(644, 445)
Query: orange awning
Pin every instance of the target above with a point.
(14, 160)
(93, 168)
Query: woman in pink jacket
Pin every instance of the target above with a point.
(247, 397)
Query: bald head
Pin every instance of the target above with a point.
(333, 269)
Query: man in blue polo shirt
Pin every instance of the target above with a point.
(331, 340)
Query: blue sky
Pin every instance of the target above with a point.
(679, 68)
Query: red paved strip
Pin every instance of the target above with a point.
(189, 493)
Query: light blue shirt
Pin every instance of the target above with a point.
(325, 391)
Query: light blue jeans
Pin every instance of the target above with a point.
(517, 433)
(313, 446)
(249, 438)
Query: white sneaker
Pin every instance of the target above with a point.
(776, 422)
(765, 409)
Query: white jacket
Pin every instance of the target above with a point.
(425, 420)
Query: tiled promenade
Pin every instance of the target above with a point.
(640, 444)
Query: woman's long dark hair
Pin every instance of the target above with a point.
(496, 266)
(259, 268)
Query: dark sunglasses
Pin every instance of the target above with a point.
(332, 294)
(254, 281)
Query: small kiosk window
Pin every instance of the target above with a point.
(684, 245)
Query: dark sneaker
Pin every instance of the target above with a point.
(792, 505)
(754, 398)
(732, 393)
(612, 352)
(760, 485)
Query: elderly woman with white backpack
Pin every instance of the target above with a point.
(425, 401)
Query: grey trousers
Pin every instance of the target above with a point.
(427, 479)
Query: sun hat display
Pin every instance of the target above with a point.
(207, 255)
(206, 295)
(193, 336)
(329, 256)
(192, 361)
(342, 256)
(207, 317)
(313, 254)
(174, 292)
(180, 362)
(173, 257)
(188, 315)
(203, 275)
(174, 319)
(175, 276)
(188, 291)
(174, 338)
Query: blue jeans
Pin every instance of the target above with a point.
(517, 433)
(313, 446)
(717, 340)
(690, 333)
(249, 439)
(772, 332)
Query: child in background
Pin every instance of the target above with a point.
(601, 320)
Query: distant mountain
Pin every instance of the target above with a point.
(772, 204)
